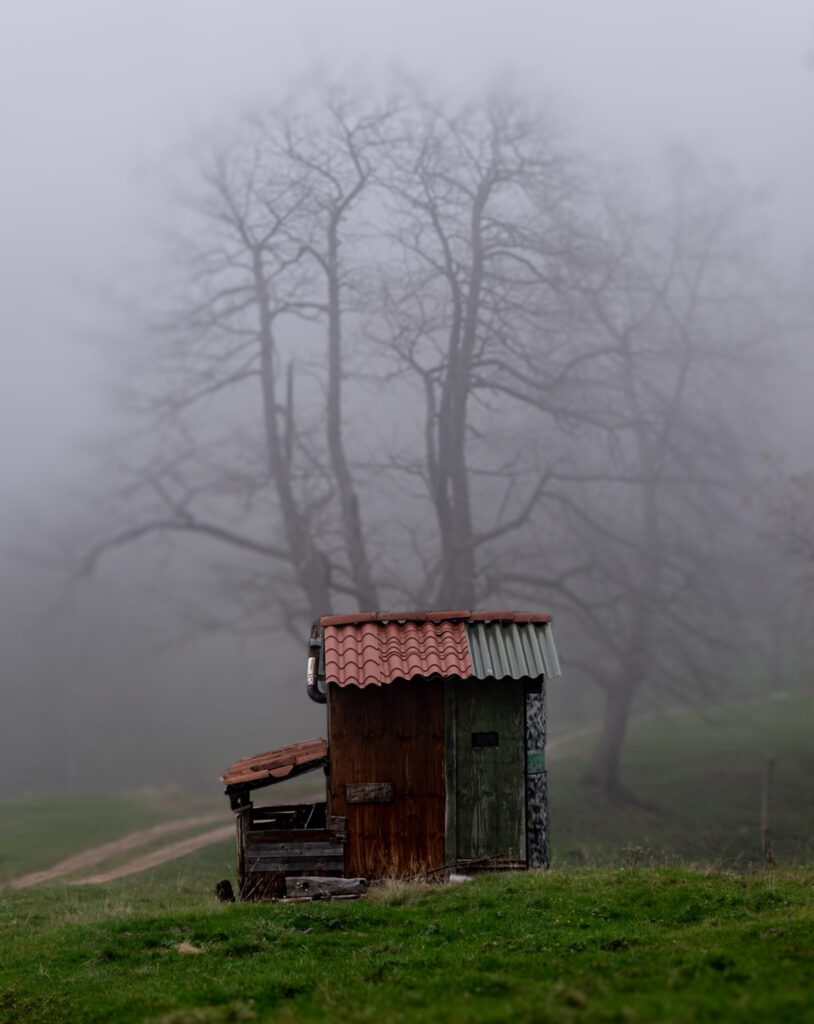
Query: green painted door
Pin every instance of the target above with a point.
(490, 819)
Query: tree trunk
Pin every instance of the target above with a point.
(311, 567)
(355, 544)
(604, 769)
(458, 580)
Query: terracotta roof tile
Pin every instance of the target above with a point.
(373, 653)
(275, 765)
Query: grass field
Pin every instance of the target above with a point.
(577, 945)
(636, 936)
(36, 833)
(700, 780)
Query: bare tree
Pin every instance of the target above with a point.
(554, 359)
(262, 274)
(669, 316)
(480, 205)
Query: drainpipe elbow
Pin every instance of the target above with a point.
(312, 677)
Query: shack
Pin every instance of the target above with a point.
(435, 757)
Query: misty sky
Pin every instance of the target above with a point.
(101, 104)
(99, 99)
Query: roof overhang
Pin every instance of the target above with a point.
(274, 766)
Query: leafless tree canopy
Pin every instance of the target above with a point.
(424, 355)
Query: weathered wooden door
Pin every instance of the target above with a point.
(490, 761)
(389, 741)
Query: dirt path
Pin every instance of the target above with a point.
(97, 854)
(160, 856)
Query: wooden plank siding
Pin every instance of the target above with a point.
(490, 776)
(450, 773)
(266, 854)
(389, 734)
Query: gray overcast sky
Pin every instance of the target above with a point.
(95, 95)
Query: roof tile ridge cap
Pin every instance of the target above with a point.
(493, 614)
(448, 615)
(502, 615)
(402, 616)
(347, 619)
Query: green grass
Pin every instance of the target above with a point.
(700, 781)
(39, 832)
(576, 945)
(635, 937)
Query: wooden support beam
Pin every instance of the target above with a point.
(316, 887)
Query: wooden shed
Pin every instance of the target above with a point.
(434, 760)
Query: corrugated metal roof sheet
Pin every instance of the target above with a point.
(276, 765)
(373, 648)
(512, 649)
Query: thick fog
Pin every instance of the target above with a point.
(635, 428)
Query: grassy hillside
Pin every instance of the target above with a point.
(577, 945)
(699, 779)
(36, 833)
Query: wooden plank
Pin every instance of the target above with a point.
(310, 816)
(316, 885)
(369, 792)
(393, 732)
(294, 850)
(450, 769)
(289, 835)
(490, 784)
(304, 866)
(267, 857)
(241, 819)
(295, 865)
(491, 864)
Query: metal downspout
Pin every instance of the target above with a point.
(313, 676)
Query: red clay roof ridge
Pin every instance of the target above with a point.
(457, 615)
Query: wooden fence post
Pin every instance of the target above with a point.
(766, 812)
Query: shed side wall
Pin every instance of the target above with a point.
(391, 734)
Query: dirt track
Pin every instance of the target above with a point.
(160, 856)
(98, 854)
